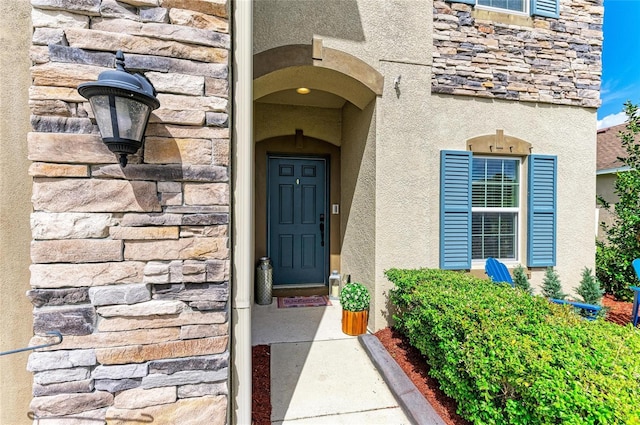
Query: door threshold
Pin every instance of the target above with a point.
(300, 291)
(299, 285)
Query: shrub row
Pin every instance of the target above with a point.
(509, 358)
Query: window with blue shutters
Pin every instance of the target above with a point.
(547, 8)
(480, 209)
(541, 220)
(455, 210)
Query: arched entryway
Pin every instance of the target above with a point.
(308, 131)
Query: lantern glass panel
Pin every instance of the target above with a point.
(132, 117)
(102, 112)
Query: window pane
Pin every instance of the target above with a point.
(102, 112)
(495, 183)
(515, 5)
(506, 247)
(130, 116)
(493, 235)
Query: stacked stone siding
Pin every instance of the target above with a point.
(531, 59)
(131, 265)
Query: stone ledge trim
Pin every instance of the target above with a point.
(85, 275)
(41, 169)
(67, 404)
(102, 340)
(76, 251)
(159, 173)
(110, 41)
(118, 324)
(94, 195)
(180, 249)
(193, 411)
(144, 233)
(166, 350)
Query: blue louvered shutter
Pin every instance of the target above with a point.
(463, 1)
(455, 210)
(548, 8)
(542, 211)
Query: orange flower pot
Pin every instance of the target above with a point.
(355, 322)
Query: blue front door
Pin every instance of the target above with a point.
(297, 220)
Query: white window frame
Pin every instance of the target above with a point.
(480, 263)
(510, 11)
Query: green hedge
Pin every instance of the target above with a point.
(510, 358)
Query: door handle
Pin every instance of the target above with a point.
(321, 229)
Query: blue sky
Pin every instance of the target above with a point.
(620, 60)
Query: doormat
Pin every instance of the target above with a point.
(312, 301)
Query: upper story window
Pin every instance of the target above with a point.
(506, 5)
(547, 8)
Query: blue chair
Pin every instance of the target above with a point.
(590, 311)
(497, 271)
(636, 292)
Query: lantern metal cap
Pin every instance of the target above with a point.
(121, 82)
(136, 90)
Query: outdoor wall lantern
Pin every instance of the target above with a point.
(122, 103)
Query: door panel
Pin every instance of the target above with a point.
(309, 206)
(296, 204)
(285, 252)
(309, 249)
(286, 204)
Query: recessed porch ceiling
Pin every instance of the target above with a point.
(316, 98)
(334, 76)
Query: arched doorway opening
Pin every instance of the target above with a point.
(309, 131)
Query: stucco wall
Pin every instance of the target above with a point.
(15, 234)
(605, 188)
(412, 163)
(283, 120)
(390, 184)
(368, 29)
(358, 201)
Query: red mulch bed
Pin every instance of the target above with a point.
(619, 311)
(409, 359)
(413, 364)
(261, 379)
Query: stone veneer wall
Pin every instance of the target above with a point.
(529, 59)
(131, 265)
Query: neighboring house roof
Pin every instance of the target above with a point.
(609, 150)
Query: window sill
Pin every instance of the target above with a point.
(477, 269)
(507, 18)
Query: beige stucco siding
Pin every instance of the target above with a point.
(283, 120)
(391, 160)
(359, 197)
(368, 29)
(407, 211)
(15, 233)
(605, 188)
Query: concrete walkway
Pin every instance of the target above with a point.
(321, 376)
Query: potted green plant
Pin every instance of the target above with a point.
(355, 300)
